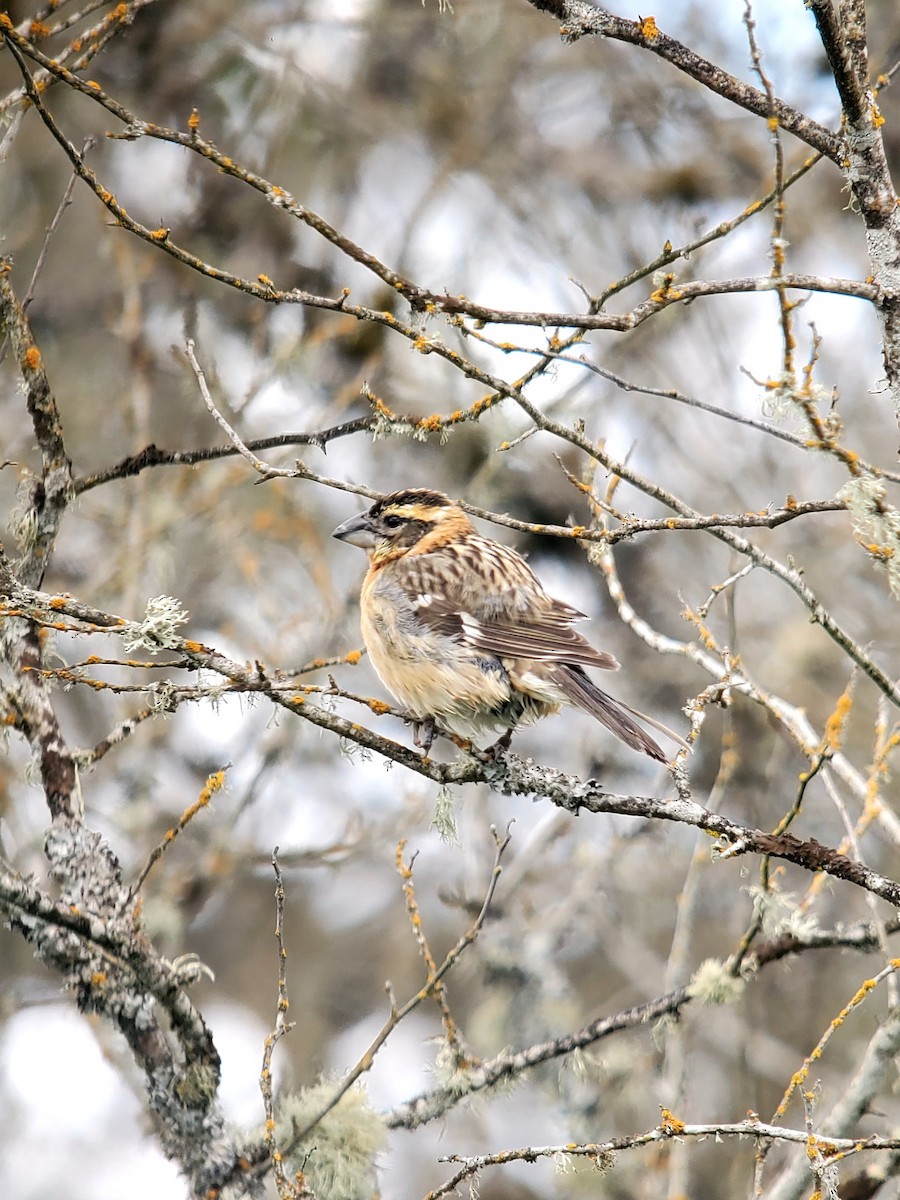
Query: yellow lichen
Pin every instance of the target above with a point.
(670, 1123)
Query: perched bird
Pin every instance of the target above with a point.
(462, 633)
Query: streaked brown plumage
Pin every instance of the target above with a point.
(462, 633)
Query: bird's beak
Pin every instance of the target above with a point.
(357, 531)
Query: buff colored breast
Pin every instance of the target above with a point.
(431, 676)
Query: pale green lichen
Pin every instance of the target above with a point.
(713, 983)
(386, 427)
(157, 631)
(876, 523)
(581, 1170)
(780, 912)
(338, 1156)
(162, 697)
(23, 521)
(444, 819)
(450, 1068)
(783, 398)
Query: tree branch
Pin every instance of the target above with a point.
(580, 19)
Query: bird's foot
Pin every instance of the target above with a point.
(494, 753)
(423, 733)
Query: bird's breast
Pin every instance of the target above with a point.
(429, 673)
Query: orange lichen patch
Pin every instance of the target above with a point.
(58, 602)
(194, 121)
(5, 22)
(265, 281)
(665, 293)
(834, 726)
(92, 83)
(214, 783)
(38, 30)
(32, 358)
(353, 657)
(297, 698)
(194, 647)
(430, 424)
(379, 707)
(401, 868)
(159, 235)
(703, 632)
(381, 408)
(98, 979)
(670, 1123)
(649, 28)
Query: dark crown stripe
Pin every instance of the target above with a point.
(423, 496)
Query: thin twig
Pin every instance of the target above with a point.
(428, 988)
(285, 1188)
(214, 783)
(256, 463)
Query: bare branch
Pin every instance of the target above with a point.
(580, 19)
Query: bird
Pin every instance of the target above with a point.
(462, 633)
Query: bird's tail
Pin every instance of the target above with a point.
(616, 716)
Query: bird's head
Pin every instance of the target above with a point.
(409, 522)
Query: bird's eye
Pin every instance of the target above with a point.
(392, 522)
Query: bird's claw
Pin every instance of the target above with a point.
(499, 749)
(423, 734)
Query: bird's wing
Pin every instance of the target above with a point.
(485, 596)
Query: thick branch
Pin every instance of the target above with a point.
(843, 33)
(50, 494)
(580, 19)
(843, 37)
